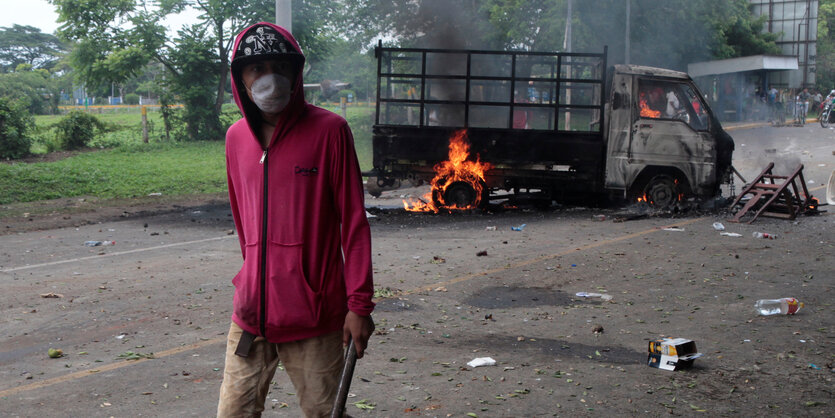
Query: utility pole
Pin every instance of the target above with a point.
(284, 14)
(627, 37)
(566, 46)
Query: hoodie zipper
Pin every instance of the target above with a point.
(263, 324)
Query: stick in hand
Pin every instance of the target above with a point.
(345, 381)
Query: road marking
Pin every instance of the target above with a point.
(138, 250)
(107, 367)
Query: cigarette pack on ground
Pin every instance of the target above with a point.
(672, 353)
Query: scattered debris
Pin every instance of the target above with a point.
(594, 295)
(385, 292)
(365, 404)
(672, 353)
(630, 217)
(51, 295)
(369, 215)
(99, 243)
(490, 228)
(130, 355)
(155, 194)
(673, 229)
(599, 218)
(730, 234)
(481, 361)
(718, 226)
(775, 196)
(55, 353)
(481, 254)
(597, 329)
(518, 228)
(438, 260)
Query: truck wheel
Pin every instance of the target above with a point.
(662, 191)
(459, 194)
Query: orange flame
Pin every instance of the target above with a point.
(456, 169)
(646, 111)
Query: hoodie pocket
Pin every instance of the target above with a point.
(247, 296)
(291, 302)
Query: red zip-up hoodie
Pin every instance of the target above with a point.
(299, 212)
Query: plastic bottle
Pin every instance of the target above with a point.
(765, 235)
(783, 306)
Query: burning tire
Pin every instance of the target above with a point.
(458, 195)
(662, 191)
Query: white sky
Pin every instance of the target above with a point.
(42, 15)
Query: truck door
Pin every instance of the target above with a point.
(619, 132)
(669, 138)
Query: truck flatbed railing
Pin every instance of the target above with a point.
(419, 87)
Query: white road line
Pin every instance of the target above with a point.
(138, 250)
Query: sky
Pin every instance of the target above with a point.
(42, 15)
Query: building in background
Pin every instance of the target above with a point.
(737, 87)
(796, 23)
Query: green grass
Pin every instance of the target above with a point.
(171, 169)
(134, 169)
(125, 118)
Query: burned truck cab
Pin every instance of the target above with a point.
(664, 142)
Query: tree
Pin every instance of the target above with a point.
(200, 116)
(28, 45)
(116, 38)
(15, 124)
(35, 90)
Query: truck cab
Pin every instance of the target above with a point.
(663, 140)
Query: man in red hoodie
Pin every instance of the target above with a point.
(295, 188)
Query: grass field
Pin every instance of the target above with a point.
(132, 168)
(171, 169)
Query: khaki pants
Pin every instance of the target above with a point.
(314, 366)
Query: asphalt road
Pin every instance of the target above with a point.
(142, 322)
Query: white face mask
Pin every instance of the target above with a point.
(271, 93)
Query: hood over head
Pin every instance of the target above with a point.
(266, 41)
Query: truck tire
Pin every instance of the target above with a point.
(459, 194)
(662, 191)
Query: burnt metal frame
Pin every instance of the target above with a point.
(563, 58)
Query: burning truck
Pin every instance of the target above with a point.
(553, 126)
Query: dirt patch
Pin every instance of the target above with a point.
(50, 157)
(77, 211)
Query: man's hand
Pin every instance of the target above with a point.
(359, 328)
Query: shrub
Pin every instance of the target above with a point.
(15, 123)
(132, 99)
(76, 129)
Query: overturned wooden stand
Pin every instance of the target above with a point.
(775, 196)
